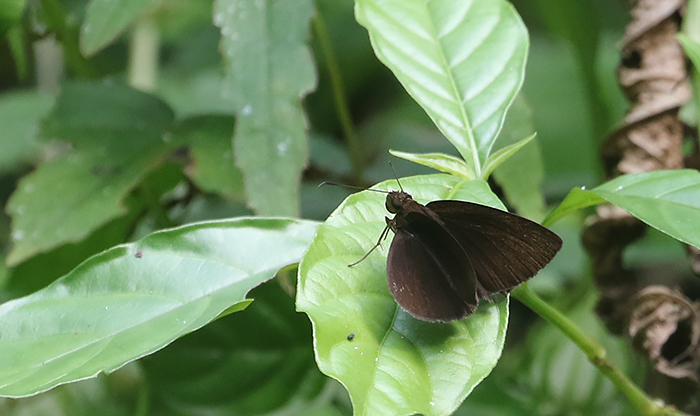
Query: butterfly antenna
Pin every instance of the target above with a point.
(395, 175)
(342, 185)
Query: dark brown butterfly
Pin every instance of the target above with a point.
(446, 256)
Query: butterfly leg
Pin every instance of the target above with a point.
(382, 236)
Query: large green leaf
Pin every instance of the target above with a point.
(269, 70)
(105, 19)
(395, 364)
(668, 200)
(117, 135)
(134, 299)
(463, 61)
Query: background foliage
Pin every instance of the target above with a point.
(95, 163)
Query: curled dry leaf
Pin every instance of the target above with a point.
(605, 239)
(665, 326)
(652, 73)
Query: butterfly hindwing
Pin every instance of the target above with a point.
(504, 249)
(429, 275)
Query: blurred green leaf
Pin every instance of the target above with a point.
(395, 364)
(668, 200)
(195, 94)
(105, 19)
(20, 113)
(266, 84)
(259, 361)
(462, 61)
(212, 167)
(691, 47)
(85, 111)
(501, 155)
(558, 378)
(135, 299)
(521, 174)
(575, 22)
(10, 14)
(117, 136)
(439, 161)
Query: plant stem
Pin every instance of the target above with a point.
(596, 354)
(143, 55)
(340, 98)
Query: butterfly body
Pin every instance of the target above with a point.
(446, 256)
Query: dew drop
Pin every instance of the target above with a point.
(18, 235)
(282, 148)
(247, 110)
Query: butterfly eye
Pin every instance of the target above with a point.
(392, 205)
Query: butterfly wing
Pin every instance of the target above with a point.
(429, 274)
(504, 249)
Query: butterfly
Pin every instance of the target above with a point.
(447, 256)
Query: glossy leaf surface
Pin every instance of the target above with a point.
(394, 364)
(462, 61)
(135, 299)
(668, 200)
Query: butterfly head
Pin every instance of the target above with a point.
(396, 200)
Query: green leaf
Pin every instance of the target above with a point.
(462, 61)
(10, 14)
(496, 159)
(269, 70)
(41, 270)
(253, 363)
(668, 200)
(577, 23)
(558, 376)
(521, 175)
(85, 110)
(117, 135)
(576, 200)
(137, 298)
(20, 113)
(105, 19)
(439, 161)
(212, 167)
(395, 364)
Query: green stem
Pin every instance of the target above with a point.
(143, 55)
(596, 354)
(339, 96)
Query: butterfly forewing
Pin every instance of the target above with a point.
(429, 274)
(504, 249)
